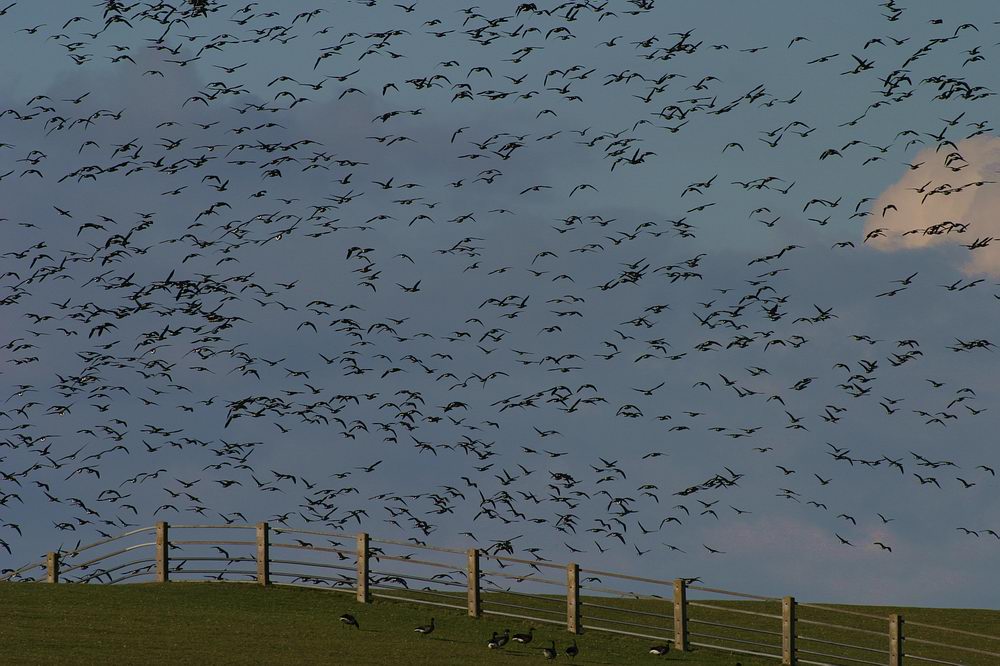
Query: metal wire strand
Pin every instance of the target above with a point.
(732, 640)
(840, 657)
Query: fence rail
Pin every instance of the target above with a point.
(454, 579)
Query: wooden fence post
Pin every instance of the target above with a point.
(895, 640)
(573, 598)
(52, 565)
(364, 596)
(162, 553)
(472, 580)
(680, 615)
(788, 656)
(263, 554)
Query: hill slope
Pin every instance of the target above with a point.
(200, 623)
(233, 623)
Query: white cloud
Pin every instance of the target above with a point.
(950, 198)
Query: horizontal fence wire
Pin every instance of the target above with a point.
(323, 533)
(76, 551)
(382, 595)
(734, 626)
(910, 639)
(538, 597)
(182, 569)
(219, 558)
(490, 597)
(622, 594)
(641, 579)
(586, 603)
(410, 560)
(627, 633)
(730, 593)
(243, 572)
(595, 618)
(453, 597)
(318, 549)
(842, 626)
(840, 657)
(320, 583)
(843, 645)
(880, 618)
(742, 641)
(430, 593)
(727, 609)
(735, 650)
(324, 565)
(105, 572)
(233, 526)
(933, 661)
(529, 608)
(81, 565)
(313, 587)
(211, 542)
(521, 579)
(544, 620)
(410, 544)
(123, 535)
(389, 575)
(912, 623)
(248, 577)
(26, 567)
(215, 558)
(299, 574)
(135, 574)
(515, 560)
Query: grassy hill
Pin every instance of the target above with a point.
(201, 623)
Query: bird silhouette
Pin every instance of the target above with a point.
(198, 271)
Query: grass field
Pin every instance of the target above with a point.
(180, 623)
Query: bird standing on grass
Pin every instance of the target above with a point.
(550, 652)
(426, 628)
(573, 650)
(350, 620)
(524, 639)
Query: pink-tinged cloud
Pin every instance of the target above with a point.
(952, 197)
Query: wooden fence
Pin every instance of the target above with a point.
(482, 582)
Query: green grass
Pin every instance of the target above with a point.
(205, 623)
(855, 630)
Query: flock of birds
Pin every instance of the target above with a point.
(498, 641)
(570, 266)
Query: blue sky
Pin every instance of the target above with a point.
(331, 261)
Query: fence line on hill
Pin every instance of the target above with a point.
(566, 595)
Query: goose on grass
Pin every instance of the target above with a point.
(425, 629)
(660, 650)
(350, 620)
(524, 639)
(572, 650)
(550, 652)
(498, 641)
